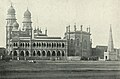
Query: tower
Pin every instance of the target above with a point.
(110, 42)
(110, 54)
(9, 26)
(27, 23)
(27, 27)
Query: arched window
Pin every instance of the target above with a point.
(85, 44)
(59, 44)
(53, 53)
(58, 53)
(27, 53)
(71, 41)
(63, 53)
(20, 44)
(15, 53)
(43, 53)
(34, 44)
(38, 53)
(49, 44)
(44, 44)
(54, 44)
(23, 44)
(34, 53)
(22, 53)
(26, 44)
(78, 42)
(63, 45)
(48, 53)
(39, 44)
(14, 44)
(10, 53)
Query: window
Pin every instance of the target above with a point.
(63, 45)
(78, 42)
(85, 44)
(71, 41)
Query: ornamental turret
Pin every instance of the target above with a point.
(27, 20)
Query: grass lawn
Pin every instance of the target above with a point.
(60, 70)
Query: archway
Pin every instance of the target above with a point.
(27, 53)
(106, 57)
(34, 53)
(38, 53)
(22, 53)
(43, 53)
(58, 53)
(63, 54)
(53, 53)
(15, 53)
(48, 53)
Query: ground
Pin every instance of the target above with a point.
(60, 70)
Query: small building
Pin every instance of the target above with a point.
(98, 51)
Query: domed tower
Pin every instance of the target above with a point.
(27, 23)
(10, 20)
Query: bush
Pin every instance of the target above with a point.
(84, 58)
(94, 58)
(6, 58)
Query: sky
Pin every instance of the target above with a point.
(55, 15)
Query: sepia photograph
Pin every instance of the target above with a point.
(59, 39)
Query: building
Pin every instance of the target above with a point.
(98, 51)
(24, 43)
(111, 54)
(79, 42)
(2, 52)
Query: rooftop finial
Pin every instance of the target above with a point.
(75, 27)
(11, 3)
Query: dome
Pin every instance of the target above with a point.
(15, 24)
(11, 10)
(27, 13)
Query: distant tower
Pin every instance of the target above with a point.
(27, 23)
(9, 26)
(110, 54)
(110, 42)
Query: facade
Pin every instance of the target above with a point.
(111, 54)
(79, 42)
(98, 51)
(24, 43)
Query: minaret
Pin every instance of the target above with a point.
(27, 23)
(9, 26)
(110, 42)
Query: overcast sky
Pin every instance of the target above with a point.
(57, 14)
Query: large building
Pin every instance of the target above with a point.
(79, 42)
(24, 43)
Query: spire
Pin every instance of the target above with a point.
(75, 27)
(110, 42)
(46, 31)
